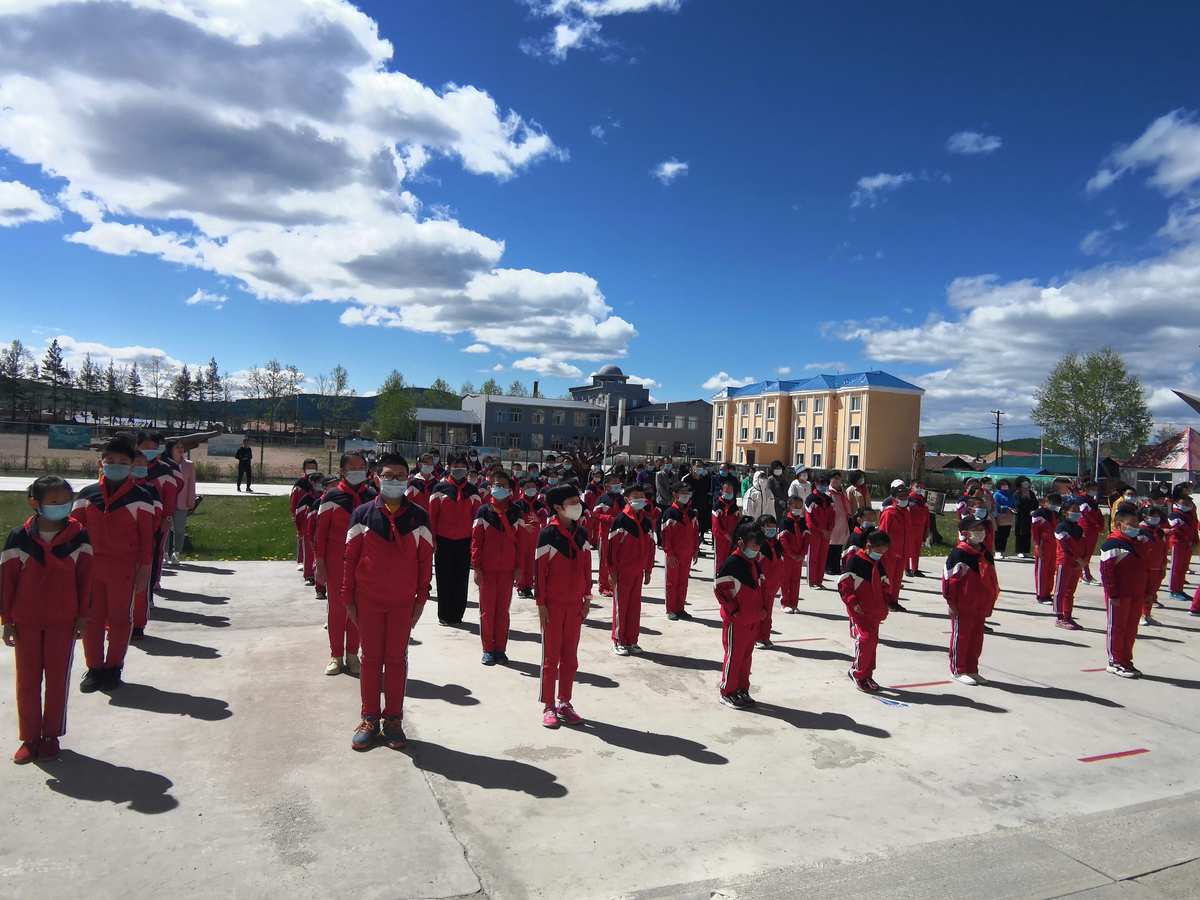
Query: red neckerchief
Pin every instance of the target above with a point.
(125, 487)
(501, 507)
(355, 492)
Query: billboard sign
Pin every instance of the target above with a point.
(225, 444)
(70, 437)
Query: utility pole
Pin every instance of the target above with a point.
(997, 413)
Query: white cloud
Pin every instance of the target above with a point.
(724, 380)
(1099, 241)
(1170, 147)
(649, 383)
(545, 366)
(203, 298)
(832, 367)
(598, 132)
(19, 203)
(973, 142)
(669, 169)
(74, 351)
(275, 145)
(784, 370)
(871, 189)
(577, 26)
(498, 367)
(477, 348)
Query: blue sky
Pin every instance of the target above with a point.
(827, 217)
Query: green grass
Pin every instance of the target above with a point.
(223, 528)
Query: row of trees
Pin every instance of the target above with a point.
(491, 386)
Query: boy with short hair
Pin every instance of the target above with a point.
(304, 515)
(119, 519)
(1155, 551)
(45, 580)
(141, 599)
(1042, 524)
(820, 517)
(919, 518)
(385, 585)
(793, 540)
(495, 557)
(630, 552)
(563, 589)
(535, 515)
(1123, 572)
(738, 589)
(164, 476)
(681, 546)
(1071, 555)
(604, 510)
(970, 587)
(863, 588)
(726, 516)
(300, 490)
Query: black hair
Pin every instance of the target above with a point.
(969, 523)
(316, 477)
(729, 481)
(47, 483)
(330, 480)
(1069, 503)
(1153, 511)
(458, 459)
(635, 486)
(834, 474)
(821, 479)
(119, 444)
(346, 457)
(748, 531)
(314, 462)
(392, 459)
(1054, 498)
(778, 462)
(502, 474)
(681, 486)
(1177, 491)
(155, 436)
(879, 538)
(528, 480)
(560, 494)
(1127, 509)
(765, 519)
(900, 490)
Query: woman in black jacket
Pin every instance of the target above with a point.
(1025, 504)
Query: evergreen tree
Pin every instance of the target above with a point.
(114, 398)
(13, 363)
(133, 386)
(183, 390)
(90, 381)
(54, 376)
(212, 388)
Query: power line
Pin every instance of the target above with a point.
(998, 413)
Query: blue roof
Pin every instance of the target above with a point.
(823, 383)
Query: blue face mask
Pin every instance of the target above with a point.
(140, 471)
(116, 471)
(356, 476)
(638, 503)
(1074, 516)
(875, 555)
(531, 492)
(981, 514)
(152, 454)
(55, 512)
(500, 493)
(1131, 531)
(393, 488)
(770, 532)
(749, 554)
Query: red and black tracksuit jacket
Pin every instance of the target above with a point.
(45, 583)
(856, 541)
(165, 478)
(631, 544)
(389, 559)
(564, 565)
(334, 510)
(420, 489)
(863, 582)
(452, 507)
(495, 539)
(970, 587)
(120, 525)
(1124, 573)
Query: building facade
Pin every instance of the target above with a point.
(867, 420)
(447, 427)
(536, 423)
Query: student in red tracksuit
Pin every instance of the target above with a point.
(863, 586)
(385, 584)
(45, 580)
(1071, 556)
(1154, 548)
(726, 516)
(1123, 572)
(563, 588)
(422, 481)
(604, 509)
(119, 519)
(863, 523)
(681, 545)
(1181, 536)
(820, 517)
(496, 558)
(452, 506)
(1092, 523)
(536, 515)
(894, 521)
(300, 489)
(141, 599)
(304, 516)
(918, 526)
(630, 562)
(333, 516)
(1042, 524)
(970, 587)
(738, 589)
(164, 475)
(771, 563)
(793, 538)
(321, 577)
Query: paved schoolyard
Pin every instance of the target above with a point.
(223, 768)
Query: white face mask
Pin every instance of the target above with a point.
(356, 476)
(975, 537)
(902, 503)
(572, 512)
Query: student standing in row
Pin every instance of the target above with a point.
(630, 563)
(970, 587)
(739, 592)
(793, 539)
(725, 519)
(604, 509)
(681, 545)
(894, 522)
(1071, 555)
(300, 491)
(1123, 572)
(918, 527)
(771, 562)
(1155, 551)
(495, 556)
(45, 581)
(864, 590)
(1181, 535)
(452, 507)
(820, 517)
(1043, 523)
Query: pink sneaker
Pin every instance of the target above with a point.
(549, 717)
(568, 716)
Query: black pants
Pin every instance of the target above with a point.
(243, 472)
(1023, 540)
(1002, 538)
(833, 562)
(452, 568)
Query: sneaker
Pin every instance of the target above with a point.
(92, 680)
(1149, 620)
(48, 748)
(761, 645)
(872, 685)
(896, 607)
(1022, 556)
(746, 699)
(1062, 623)
(1137, 673)
(393, 733)
(311, 582)
(999, 556)
(964, 678)
(634, 648)
(620, 650)
(137, 634)
(334, 667)
(979, 679)
(1119, 671)
(731, 700)
(672, 617)
(685, 615)
(1179, 595)
(567, 715)
(1073, 625)
(549, 718)
(299, 567)
(112, 678)
(173, 559)
(1046, 601)
(817, 587)
(488, 659)
(322, 594)
(790, 610)
(352, 666)
(26, 753)
(502, 659)
(365, 734)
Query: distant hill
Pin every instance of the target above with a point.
(971, 446)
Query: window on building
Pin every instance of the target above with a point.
(741, 455)
(679, 422)
(717, 456)
(514, 441)
(744, 433)
(719, 409)
(771, 411)
(799, 457)
(509, 415)
(758, 407)
(538, 417)
(855, 404)
(758, 434)
(580, 419)
(745, 409)
(852, 461)
(720, 433)
(855, 433)
(770, 437)
(558, 442)
(816, 460)
(693, 423)
(537, 440)
(801, 406)
(558, 417)
(818, 432)
(818, 404)
(800, 431)
(594, 420)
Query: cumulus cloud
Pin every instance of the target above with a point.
(783, 370)
(1169, 147)
(577, 24)
(973, 142)
(724, 380)
(871, 189)
(648, 383)
(477, 348)
(274, 145)
(19, 203)
(546, 366)
(75, 350)
(834, 366)
(669, 169)
(203, 298)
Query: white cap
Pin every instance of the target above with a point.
(899, 482)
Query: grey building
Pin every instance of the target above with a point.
(610, 385)
(536, 423)
(447, 427)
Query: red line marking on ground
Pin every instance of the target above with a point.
(1103, 756)
(1101, 669)
(798, 640)
(917, 684)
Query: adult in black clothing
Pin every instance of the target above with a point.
(243, 456)
(779, 481)
(1025, 504)
(702, 496)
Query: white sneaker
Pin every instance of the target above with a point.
(1022, 556)
(1121, 671)
(352, 665)
(173, 559)
(620, 650)
(999, 556)
(334, 667)
(964, 678)
(299, 567)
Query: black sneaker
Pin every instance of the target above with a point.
(502, 658)
(365, 734)
(896, 607)
(92, 681)
(672, 617)
(393, 733)
(685, 615)
(732, 701)
(112, 678)
(489, 659)
(137, 634)
(746, 699)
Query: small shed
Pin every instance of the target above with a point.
(1165, 464)
(948, 462)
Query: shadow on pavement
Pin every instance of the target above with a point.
(533, 670)
(487, 772)
(513, 633)
(913, 645)
(681, 662)
(454, 694)
(826, 721)
(152, 645)
(189, 597)
(832, 617)
(1188, 683)
(84, 778)
(1052, 693)
(806, 653)
(919, 698)
(187, 617)
(151, 699)
(652, 743)
(203, 570)
(1034, 639)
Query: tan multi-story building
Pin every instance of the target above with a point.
(868, 420)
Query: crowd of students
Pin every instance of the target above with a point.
(372, 540)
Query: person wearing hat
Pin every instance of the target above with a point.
(970, 587)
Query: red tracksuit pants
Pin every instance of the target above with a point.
(310, 555)
(1043, 576)
(1064, 592)
(495, 601)
(384, 635)
(677, 581)
(1089, 539)
(894, 564)
(721, 547)
(603, 573)
(737, 639)
(1122, 626)
(770, 588)
(912, 554)
(792, 571)
(343, 634)
(818, 552)
(865, 634)
(44, 654)
(141, 609)
(560, 650)
(1180, 558)
(1154, 582)
(627, 607)
(966, 640)
(112, 614)
(526, 548)
(1195, 607)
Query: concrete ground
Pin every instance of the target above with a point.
(223, 768)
